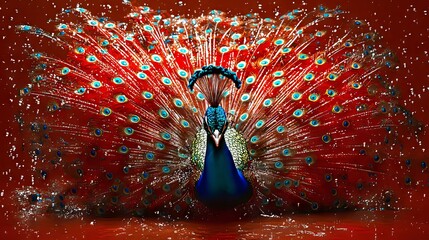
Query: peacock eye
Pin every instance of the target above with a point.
(224, 127)
(206, 125)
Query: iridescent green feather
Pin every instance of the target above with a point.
(199, 148)
(237, 145)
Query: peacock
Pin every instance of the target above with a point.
(165, 115)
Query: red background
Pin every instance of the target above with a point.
(404, 26)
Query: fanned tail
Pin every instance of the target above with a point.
(321, 116)
(114, 138)
(115, 120)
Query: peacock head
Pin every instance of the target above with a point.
(215, 123)
(212, 84)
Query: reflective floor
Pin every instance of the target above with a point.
(354, 225)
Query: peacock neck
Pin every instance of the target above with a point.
(221, 184)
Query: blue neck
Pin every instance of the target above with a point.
(221, 185)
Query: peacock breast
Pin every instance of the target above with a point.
(235, 142)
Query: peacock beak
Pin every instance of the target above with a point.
(216, 137)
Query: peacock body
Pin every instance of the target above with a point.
(165, 115)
